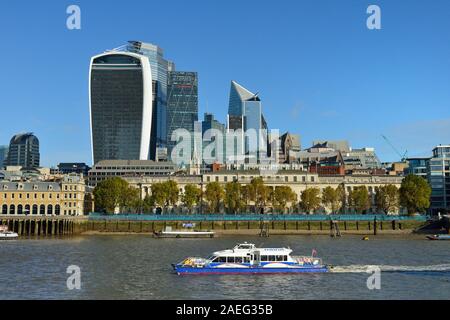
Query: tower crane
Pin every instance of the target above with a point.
(402, 157)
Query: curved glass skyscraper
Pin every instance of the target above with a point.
(120, 102)
(24, 151)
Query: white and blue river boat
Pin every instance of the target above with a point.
(245, 258)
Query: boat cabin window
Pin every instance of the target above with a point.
(246, 260)
(212, 258)
(230, 259)
(274, 258)
(221, 259)
(238, 259)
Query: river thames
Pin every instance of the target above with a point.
(139, 267)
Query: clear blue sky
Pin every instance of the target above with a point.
(320, 72)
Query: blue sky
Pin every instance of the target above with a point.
(319, 71)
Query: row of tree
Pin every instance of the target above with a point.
(116, 195)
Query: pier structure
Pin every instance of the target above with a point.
(42, 226)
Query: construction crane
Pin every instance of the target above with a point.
(402, 157)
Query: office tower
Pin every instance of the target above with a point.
(3, 155)
(24, 151)
(439, 179)
(417, 166)
(208, 138)
(160, 68)
(182, 104)
(120, 99)
(245, 113)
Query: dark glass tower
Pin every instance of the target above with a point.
(160, 68)
(24, 151)
(120, 106)
(182, 103)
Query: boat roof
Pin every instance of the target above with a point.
(245, 248)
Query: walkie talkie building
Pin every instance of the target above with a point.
(120, 102)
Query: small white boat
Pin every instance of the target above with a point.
(7, 235)
(169, 233)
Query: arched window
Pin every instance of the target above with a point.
(57, 209)
(4, 209)
(27, 209)
(12, 209)
(49, 209)
(42, 209)
(35, 209)
(19, 209)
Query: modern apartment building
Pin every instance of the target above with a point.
(418, 167)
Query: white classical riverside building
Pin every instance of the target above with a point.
(299, 181)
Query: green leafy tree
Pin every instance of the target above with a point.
(415, 193)
(359, 199)
(130, 200)
(233, 200)
(148, 204)
(191, 196)
(158, 195)
(332, 198)
(246, 196)
(342, 196)
(165, 194)
(310, 199)
(214, 195)
(259, 193)
(111, 194)
(172, 192)
(282, 196)
(387, 198)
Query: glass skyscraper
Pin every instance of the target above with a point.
(245, 113)
(24, 151)
(206, 127)
(160, 68)
(182, 104)
(439, 178)
(120, 99)
(3, 155)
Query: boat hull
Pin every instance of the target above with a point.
(253, 270)
(9, 237)
(439, 237)
(174, 234)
